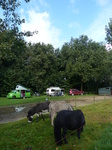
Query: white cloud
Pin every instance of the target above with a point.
(72, 1)
(73, 25)
(102, 2)
(72, 7)
(43, 3)
(47, 33)
(97, 28)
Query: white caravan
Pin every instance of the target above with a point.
(54, 91)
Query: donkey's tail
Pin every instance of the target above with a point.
(57, 132)
(70, 107)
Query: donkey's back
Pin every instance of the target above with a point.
(55, 107)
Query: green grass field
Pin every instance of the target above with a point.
(97, 134)
(33, 99)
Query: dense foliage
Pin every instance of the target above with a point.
(109, 32)
(80, 63)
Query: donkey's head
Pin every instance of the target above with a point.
(29, 118)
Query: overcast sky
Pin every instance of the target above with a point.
(58, 20)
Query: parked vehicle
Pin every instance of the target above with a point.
(55, 91)
(75, 92)
(105, 91)
(19, 92)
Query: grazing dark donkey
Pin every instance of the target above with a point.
(71, 120)
(40, 108)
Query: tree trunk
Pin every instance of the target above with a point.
(81, 85)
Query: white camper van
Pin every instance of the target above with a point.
(54, 91)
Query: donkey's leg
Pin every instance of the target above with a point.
(64, 135)
(37, 117)
(81, 129)
(42, 116)
(52, 118)
(78, 133)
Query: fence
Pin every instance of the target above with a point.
(82, 101)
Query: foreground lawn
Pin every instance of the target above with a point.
(97, 134)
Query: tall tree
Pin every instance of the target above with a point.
(84, 60)
(108, 29)
(12, 45)
(40, 66)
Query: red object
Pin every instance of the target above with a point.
(75, 92)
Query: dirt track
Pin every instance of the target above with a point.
(9, 114)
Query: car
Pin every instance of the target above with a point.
(75, 92)
(17, 94)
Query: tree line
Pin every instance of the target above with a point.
(81, 63)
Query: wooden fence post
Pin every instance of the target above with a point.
(75, 102)
(94, 99)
